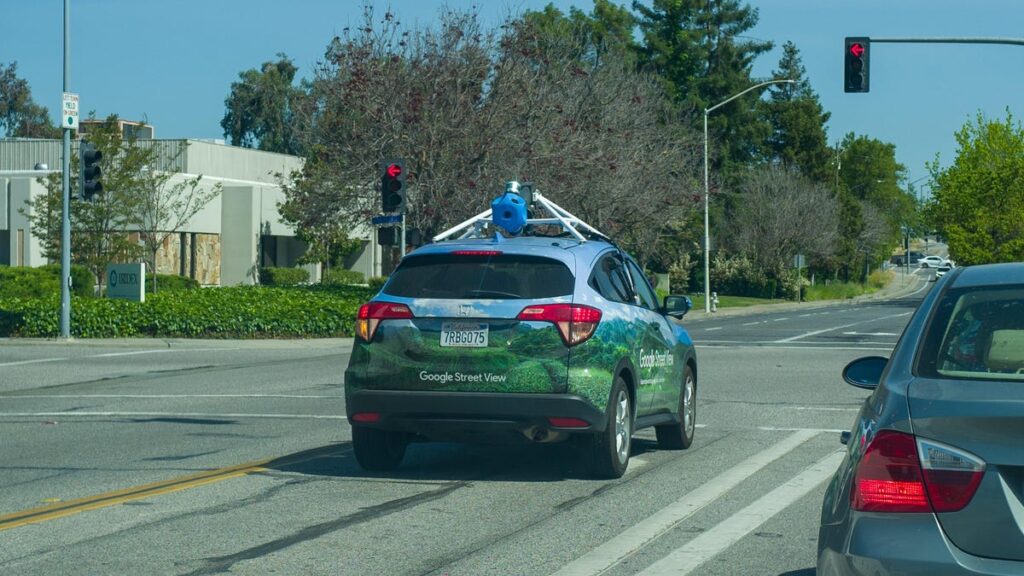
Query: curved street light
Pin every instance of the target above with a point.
(707, 234)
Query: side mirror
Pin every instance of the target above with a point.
(865, 372)
(677, 306)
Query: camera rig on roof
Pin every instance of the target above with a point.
(509, 212)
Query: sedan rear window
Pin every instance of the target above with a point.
(459, 277)
(976, 334)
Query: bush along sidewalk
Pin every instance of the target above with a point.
(235, 312)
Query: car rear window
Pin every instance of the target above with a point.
(504, 276)
(976, 333)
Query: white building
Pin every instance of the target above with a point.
(224, 244)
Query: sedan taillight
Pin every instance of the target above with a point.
(371, 313)
(901, 473)
(575, 322)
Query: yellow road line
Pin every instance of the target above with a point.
(62, 509)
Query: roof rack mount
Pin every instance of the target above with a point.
(476, 226)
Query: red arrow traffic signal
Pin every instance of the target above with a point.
(857, 50)
(394, 170)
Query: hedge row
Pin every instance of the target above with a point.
(273, 276)
(235, 312)
(342, 276)
(30, 282)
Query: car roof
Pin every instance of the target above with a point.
(563, 248)
(989, 275)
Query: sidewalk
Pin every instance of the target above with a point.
(902, 285)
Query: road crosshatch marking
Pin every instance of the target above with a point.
(106, 499)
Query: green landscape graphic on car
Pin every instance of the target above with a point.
(521, 357)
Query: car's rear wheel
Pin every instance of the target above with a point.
(378, 450)
(679, 435)
(609, 455)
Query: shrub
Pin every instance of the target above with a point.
(235, 312)
(29, 282)
(340, 276)
(273, 276)
(376, 283)
(170, 282)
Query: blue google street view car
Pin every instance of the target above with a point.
(530, 338)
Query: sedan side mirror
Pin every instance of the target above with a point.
(677, 306)
(865, 372)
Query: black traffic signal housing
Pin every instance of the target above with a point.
(89, 170)
(856, 52)
(392, 186)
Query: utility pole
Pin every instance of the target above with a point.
(65, 235)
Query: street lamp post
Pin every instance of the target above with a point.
(707, 235)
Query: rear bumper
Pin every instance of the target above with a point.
(474, 416)
(872, 544)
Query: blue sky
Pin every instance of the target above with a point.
(174, 62)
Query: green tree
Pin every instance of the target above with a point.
(99, 229)
(260, 109)
(799, 137)
(20, 115)
(609, 27)
(978, 202)
(698, 49)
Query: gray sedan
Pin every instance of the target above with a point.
(933, 480)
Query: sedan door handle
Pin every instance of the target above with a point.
(844, 437)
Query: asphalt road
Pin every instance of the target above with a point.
(208, 457)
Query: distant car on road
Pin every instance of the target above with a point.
(933, 479)
(901, 259)
(931, 261)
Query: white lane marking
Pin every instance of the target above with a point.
(607, 555)
(730, 531)
(825, 408)
(780, 319)
(804, 315)
(870, 334)
(823, 330)
(37, 361)
(870, 346)
(713, 329)
(785, 429)
(77, 414)
(144, 396)
(752, 323)
(116, 354)
(160, 351)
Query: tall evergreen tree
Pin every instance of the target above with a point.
(698, 49)
(798, 139)
(260, 110)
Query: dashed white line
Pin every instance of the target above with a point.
(77, 414)
(633, 539)
(713, 329)
(730, 531)
(834, 328)
(36, 361)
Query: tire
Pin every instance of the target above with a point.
(679, 436)
(609, 451)
(378, 450)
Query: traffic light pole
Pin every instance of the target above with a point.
(403, 234)
(949, 40)
(65, 235)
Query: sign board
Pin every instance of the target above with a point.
(69, 118)
(799, 261)
(127, 281)
(386, 219)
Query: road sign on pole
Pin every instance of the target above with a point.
(69, 119)
(386, 219)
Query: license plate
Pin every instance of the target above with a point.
(464, 335)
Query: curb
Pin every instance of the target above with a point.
(891, 292)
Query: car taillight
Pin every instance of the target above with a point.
(371, 313)
(575, 323)
(952, 476)
(899, 473)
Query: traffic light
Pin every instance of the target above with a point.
(856, 53)
(392, 186)
(89, 170)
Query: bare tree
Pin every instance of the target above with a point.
(470, 108)
(780, 214)
(163, 207)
